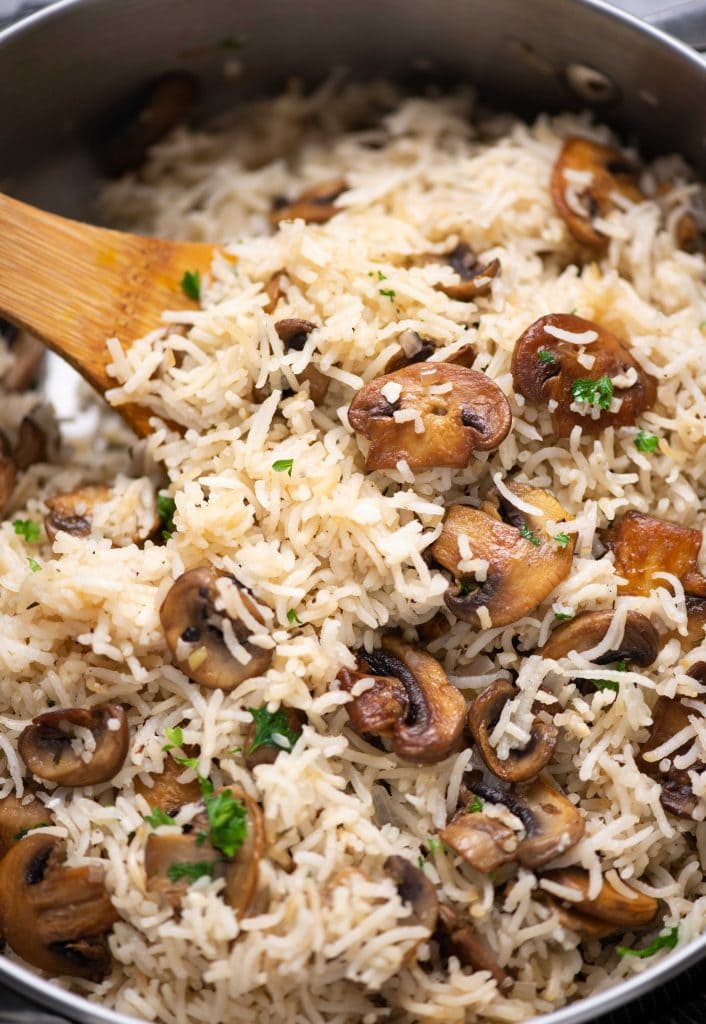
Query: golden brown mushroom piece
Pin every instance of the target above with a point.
(476, 277)
(27, 352)
(166, 791)
(275, 289)
(525, 563)
(484, 842)
(54, 917)
(458, 939)
(8, 472)
(458, 410)
(173, 861)
(413, 349)
(521, 765)
(546, 368)
(606, 172)
(669, 717)
(73, 512)
(415, 889)
(643, 546)
(293, 333)
(411, 701)
(46, 748)
(18, 815)
(193, 629)
(316, 205)
(31, 446)
(610, 905)
(586, 927)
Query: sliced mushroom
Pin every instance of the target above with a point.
(54, 917)
(293, 333)
(8, 472)
(610, 905)
(165, 103)
(586, 927)
(47, 745)
(72, 512)
(669, 717)
(316, 205)
(27, 352)
(585, 178)
(166, 790)
(520, 765)
(18, 815)
(484, 842)
(414, 349)
(695, 622)
(268, 752)
(546, 368)
(434, 628)
(240, 871)
(458, 410)
(411, 701)
(644, 546)
(476, 277)
(415, 889)
(525, 563)
(275, 289)
(458, 939)
(31, 444)
(194, 631)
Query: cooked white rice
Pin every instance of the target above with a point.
(327, 939)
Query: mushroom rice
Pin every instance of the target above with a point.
(370, 686)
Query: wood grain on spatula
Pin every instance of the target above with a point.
(75, 286)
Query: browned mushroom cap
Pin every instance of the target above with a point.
(586, 927)
(695, 622)
(411, 701)
(275, 289)
(484, 842)
(643, 546)
(193, 629)
(268, 752)
(31, 444)
(18, 815)
(73, 512)
(165, 103)
(669, 717)
(27, 352)
(415, 349)
(472, 415)
(525, 563)
(521, 765)
(610, 905)
(46, 748)
(640, 643)
(458, 939)
(54, 917)
(434, 628)
(606, 171)
(316, 205)
(166, 791)
(415, 889)
(476, 277)
(545, 369)
(240, 871)
(294, 332)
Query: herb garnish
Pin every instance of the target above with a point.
(562, 539)
(34, 565)
(166, 507)
(31, 828)
(283, 466)
(191, 284)
(158, 817)
(190, 870)
(645, 442)
(475, 805)
(667, 941)
(292, 617)
(606, 684)
(466, 586)
(228, 821)
(545, 356)
(622, 665)
(389, 293)
(28, 529)
(272, 729)
(562, 616)
(435, 844)
(175, 737)
(595, 392)
(527, 534)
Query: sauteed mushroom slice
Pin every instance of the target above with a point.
(586, 927)
(275, 289)
(27, 352)
(546, 368)
(415, 889)
(414, 349)
(669, 717)
(165, 103)
(610, 905)
(194, 631)
(484, 842)
(8, 472)
(166, 791)
(458, 939)
(521, 765)
(293, 332)
(18, 815)
(476, 277)
(585, 178)
(54, 917)
(411, 701)
(640, 642)
(72, 512)
(695, 621)
(429, 414)
(31, 444)
(525, 563)
(47, 745)
(644, 546)
(174, 860)
(316, 205)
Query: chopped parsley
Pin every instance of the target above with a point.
(435, 844)
(667, 941)
(26, 831)
(158, 817)
(562, 616)
(166, 507)
(421, 862)
(389, 293)
(645, 442)
(28, 529)
(475, 805)
(702, 324)
(606, 684)
(595, 392)
(292, 617)
(545, 356)
(191, 870)
(527, 534)
(175, 738)
(466, 586)
(187, 762)
(272, 729)
(562, 539)
(191, 284)
(283, 466)
(622, 665)
(235, 750)
(34, 565)
(228, 821)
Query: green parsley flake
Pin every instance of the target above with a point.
(622, 665)
(466, 586)
(389, 293)
(28, 529)
(421, 863)
(562, 616)
(26, 831)
(166, 507)
(562, 539)
(292, 617)
(595, 392)
(645, 442)
(527, 534)
(191, 284)
(191, 870)
(187, 762)
(228, 820)
(381, 276)
(435, 844)
(158, 817)
(34, 566)
(272, 729)
(667, 941)
(175, 738)
(475, 805)
(606, 684)
(283, 466)
(545, 356)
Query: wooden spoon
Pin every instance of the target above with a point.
(75, 286)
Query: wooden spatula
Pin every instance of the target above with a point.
(74, 286)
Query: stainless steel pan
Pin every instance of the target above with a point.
(64, 70)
